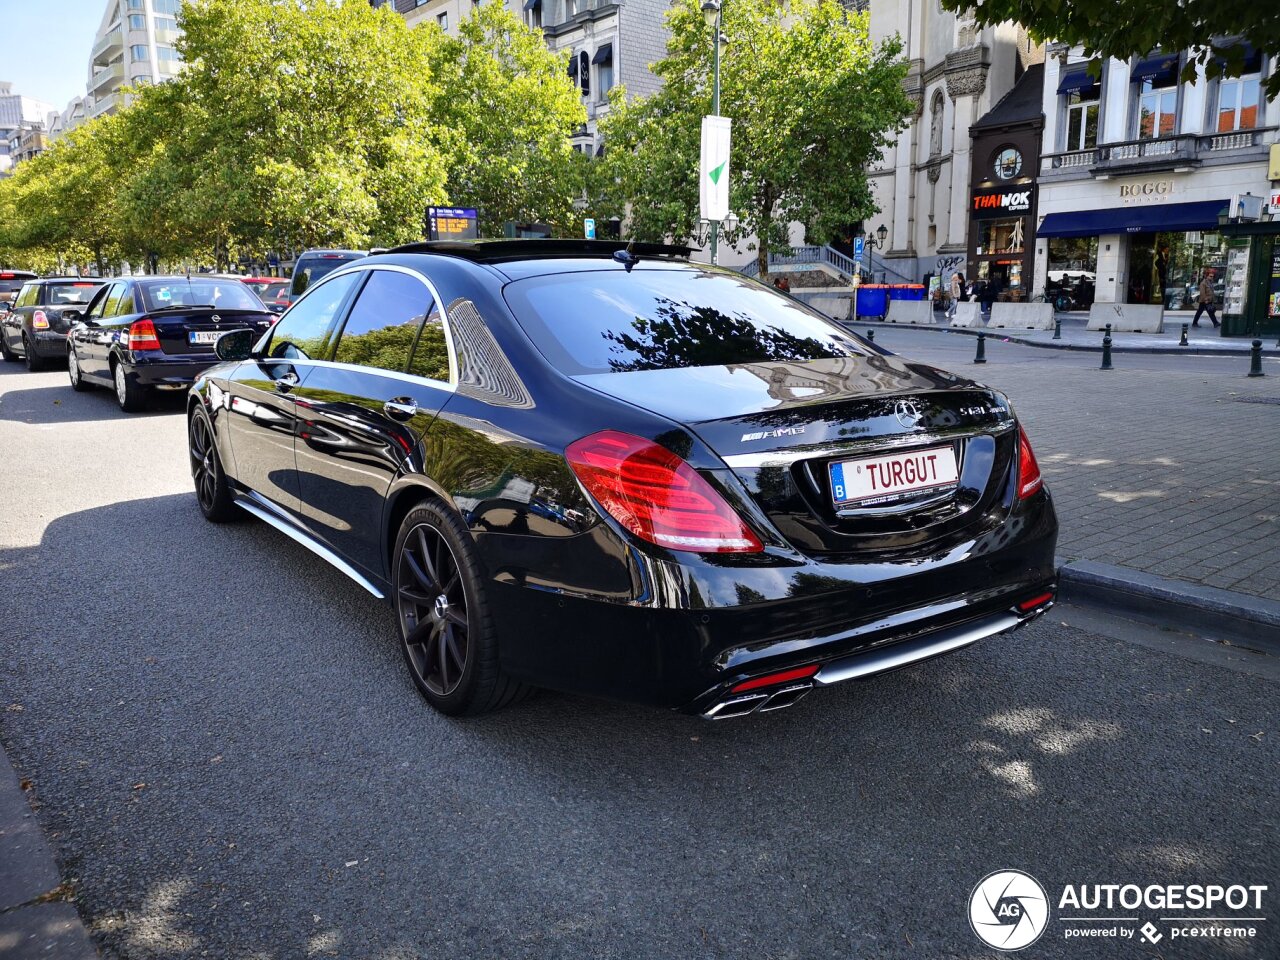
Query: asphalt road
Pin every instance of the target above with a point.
(231, 761)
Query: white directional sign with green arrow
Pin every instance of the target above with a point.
(713, 177)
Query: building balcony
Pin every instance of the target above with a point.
(168, 37)
(106, 80)
(108, 104)
(109, 46)
(1181, 152)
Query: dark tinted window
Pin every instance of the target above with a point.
(11, 284)
(197, 292)
(430, 353)
(70, 294)
(312, 266)
(384, 321)
(304, 330)
(604, 321)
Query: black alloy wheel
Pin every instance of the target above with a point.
(78, 381)
(35, 362)
(213, 493)
(446, 633)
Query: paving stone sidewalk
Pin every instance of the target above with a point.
(1163, 465)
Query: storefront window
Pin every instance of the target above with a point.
(1165, 268)
(1001, 236)
(1158, 107)
(1082, 119)
(1073, 265)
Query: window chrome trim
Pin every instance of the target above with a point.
(358, 267)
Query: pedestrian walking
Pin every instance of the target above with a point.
(956, 292)
(1206, 300)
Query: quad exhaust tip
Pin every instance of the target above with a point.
(762, 701)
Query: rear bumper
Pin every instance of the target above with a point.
(166, 371)
(49, 344)
(735, 624)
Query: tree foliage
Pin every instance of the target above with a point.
(1211, 29)
(813, 103)
(294, 125)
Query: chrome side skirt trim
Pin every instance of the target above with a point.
(252, 505)
(912, 651)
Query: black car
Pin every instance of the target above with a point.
(11, 282)
(314, 265)
(617, 472)
(36, 327)
(157, 333)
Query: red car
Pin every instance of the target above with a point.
(270, 290)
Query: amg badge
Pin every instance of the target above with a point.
(771, 434)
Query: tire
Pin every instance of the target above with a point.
(35, 362)
(78, 382)
(452, 653)
(130, 396)
(213, 491)
(8, 355)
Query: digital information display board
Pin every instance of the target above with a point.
(451, 223)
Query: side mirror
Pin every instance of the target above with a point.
(235, 345)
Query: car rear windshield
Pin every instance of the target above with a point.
(311, 268)
(71, 293)
(197, 292)
(12, 284)
(613, 321)
(271, 291)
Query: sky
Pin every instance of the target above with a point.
(46, 45)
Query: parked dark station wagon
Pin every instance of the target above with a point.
(613, 471)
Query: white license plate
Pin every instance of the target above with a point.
(204, 336)
(893, 474)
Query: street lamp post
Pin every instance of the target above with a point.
(711, 12)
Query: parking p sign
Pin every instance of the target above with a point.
(589, 228)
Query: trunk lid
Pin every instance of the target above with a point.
(175, 327)
(781, 426)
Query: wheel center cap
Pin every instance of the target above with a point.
(440, 609)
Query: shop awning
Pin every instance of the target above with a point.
(1152, 218)
(1077, 80)
(532, 4)
(1250, 56)
(1164, 65)
(573, 66)
(604, 54)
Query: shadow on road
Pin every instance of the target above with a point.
(58, 403)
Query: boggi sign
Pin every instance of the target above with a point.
(1149, 191)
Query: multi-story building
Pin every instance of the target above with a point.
(135, 44)
(22, 122)
(1139, 169)
(76, 113)
(957, 72)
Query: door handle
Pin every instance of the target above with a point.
(401, 408)
(287, 382)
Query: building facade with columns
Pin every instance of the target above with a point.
(957, 72)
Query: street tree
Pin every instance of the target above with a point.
(1211, 29)
(505, 108)
(813, 103)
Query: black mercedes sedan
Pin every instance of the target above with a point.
(35, 328)
(609, 470)
(141, 334)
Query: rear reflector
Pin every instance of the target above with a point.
(1029, 480)
(657, 496)
(142, 335)
(770, 679)
(40, 320)
(1034, 602)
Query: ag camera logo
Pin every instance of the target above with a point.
(1008, 910)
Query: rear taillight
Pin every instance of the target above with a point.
(657, 496)
(1028, 470)
(142, 335)
(40, 320)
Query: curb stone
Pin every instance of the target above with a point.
(1251, 622)
(31, 927)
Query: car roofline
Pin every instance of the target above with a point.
(498, 251)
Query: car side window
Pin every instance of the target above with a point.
(113, 300)
(431, 353)
(384, 321)
(126, 304)
(27, 297)
(98, 306)
(303, 333)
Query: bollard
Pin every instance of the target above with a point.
(1106, 349)
(1057, 328)
(981, 356)
(871, 335)
(1255, 360)
(1183, 341)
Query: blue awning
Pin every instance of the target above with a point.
(1164, 65)
(1152, 218)
(1249, 55)
(532, 4)
(604, 54)
(1077, 80)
